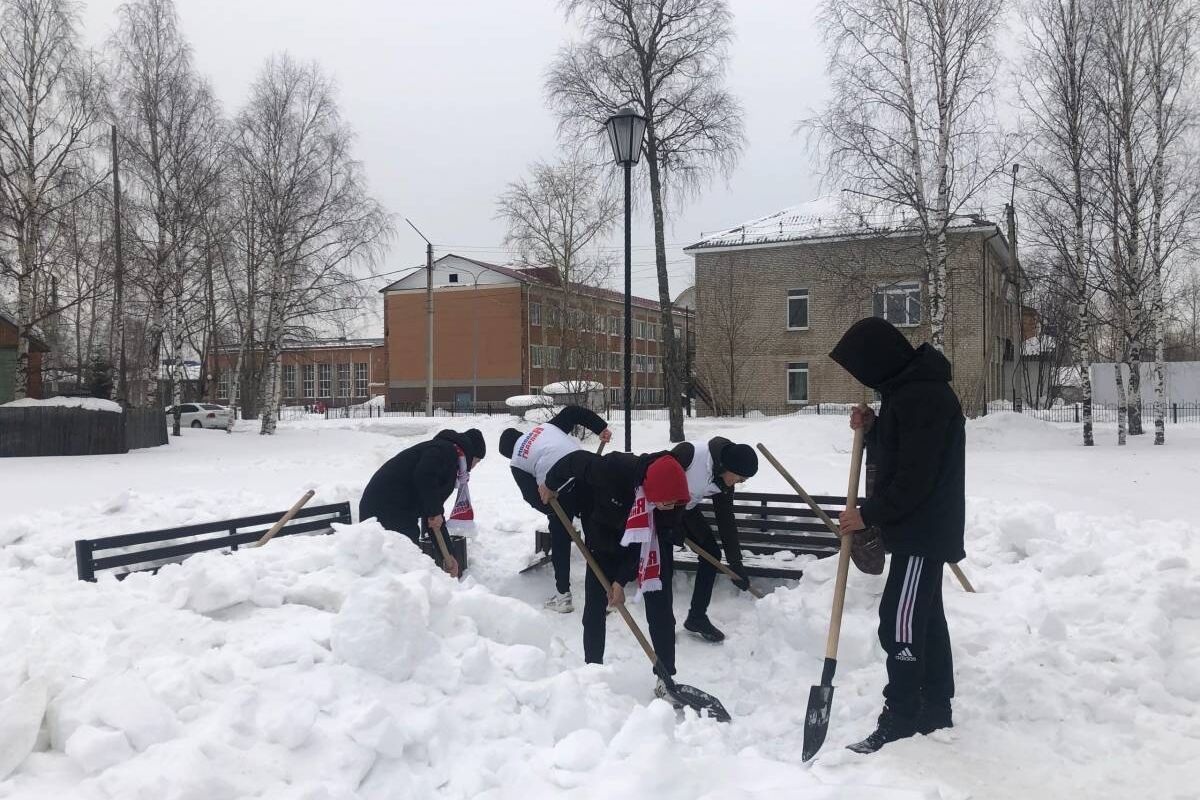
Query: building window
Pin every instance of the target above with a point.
(362, 382)
(289, 380)
(223, 387)
(454, 277)
(797, 382)
(535, 314)
(310, 380)
(572, 359)
(343, 380)
(535, 356)
(899, 304)
(614, 326)
(797, 309)
(324, 378)
(616, 362)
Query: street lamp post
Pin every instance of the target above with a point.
(626, 129)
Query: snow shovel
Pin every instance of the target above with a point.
(716, 562)
(701, 702)
(291, 512)
(820, 697)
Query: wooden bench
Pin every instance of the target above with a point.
(150, 550)
(774, 530)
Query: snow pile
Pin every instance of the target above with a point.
(573, 387)
(89, 403)
(346, 666)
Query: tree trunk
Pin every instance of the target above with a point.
(1122, 408)
(1134, 399)
(671, 370)
(25, 312)
(271, 390)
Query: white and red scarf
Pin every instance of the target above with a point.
(639, 529)
(462, 518)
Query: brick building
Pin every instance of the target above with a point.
(773, 297)
(335, 372)
(503, 331)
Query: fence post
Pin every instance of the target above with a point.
(1174, 414)
(818, 409)
(1077, 413)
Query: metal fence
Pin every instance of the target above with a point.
(1176, 413)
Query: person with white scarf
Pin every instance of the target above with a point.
(630, 500)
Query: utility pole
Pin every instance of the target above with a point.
(428, 318)
(119, 277)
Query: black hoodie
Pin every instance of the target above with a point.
(416, 482)
(918, 442)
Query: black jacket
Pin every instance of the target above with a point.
(918, 444)
(722, 502)
(415, 482)
(566, 421)
(610, 484)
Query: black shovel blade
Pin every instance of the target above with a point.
(703, 702)
(816, 719)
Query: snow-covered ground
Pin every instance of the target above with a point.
(345, 666)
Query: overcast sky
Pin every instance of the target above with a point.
(446, 98)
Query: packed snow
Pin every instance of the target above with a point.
(346, 666)
(89, 403)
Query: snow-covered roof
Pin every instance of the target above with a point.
(529, 401)
(822, 218)
(573, 387)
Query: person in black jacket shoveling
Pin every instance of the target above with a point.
(414, 484)
(531, 456)
(629, 499)
(713, 469)
(918, 444)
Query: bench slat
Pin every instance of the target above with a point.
(218, 526)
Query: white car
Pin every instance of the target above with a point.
(201, 415)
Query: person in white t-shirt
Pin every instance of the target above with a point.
(532, 455)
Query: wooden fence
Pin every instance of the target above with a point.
(58, 431)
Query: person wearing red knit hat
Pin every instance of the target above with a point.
(629, 498)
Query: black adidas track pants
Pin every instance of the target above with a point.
(913, 632)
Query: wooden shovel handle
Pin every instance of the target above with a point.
(805, 496)
(291, 512)
(962, 578)
(716, 562)
(600, 449)
(647, 648)
(441, 543)
(843, 568)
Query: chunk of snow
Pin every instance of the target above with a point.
(88, 403)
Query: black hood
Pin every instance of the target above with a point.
(873, 351)
(459, 440)
(927, 365)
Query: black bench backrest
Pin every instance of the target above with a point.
(133, 553)
(780, 519)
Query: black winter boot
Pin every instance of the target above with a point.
(892, 727)
(703, 628)
(934, 716)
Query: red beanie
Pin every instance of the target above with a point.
(665, 482)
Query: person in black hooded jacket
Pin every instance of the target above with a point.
(413, 486)
(917, 444)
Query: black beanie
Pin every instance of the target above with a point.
(873, 350)
(508, 440)
(478, 445)
(740, 459)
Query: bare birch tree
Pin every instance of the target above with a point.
(910, 121)
(309, 217)
(556, 218)
(48, 112)
(1167, 62)
(666, 59)
(732, 339)
(172, 135)
(1059, 55)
